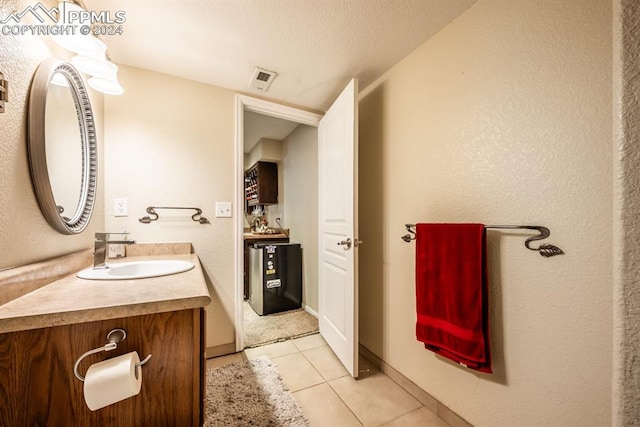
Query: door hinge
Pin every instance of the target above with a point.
(4, 92)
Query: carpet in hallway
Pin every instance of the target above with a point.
(261, 330)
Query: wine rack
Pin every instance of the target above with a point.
(261, 184)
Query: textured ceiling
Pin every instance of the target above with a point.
(315, 46)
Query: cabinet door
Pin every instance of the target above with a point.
(38, 387)
(261, 184)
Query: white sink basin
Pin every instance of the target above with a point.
(136, 270)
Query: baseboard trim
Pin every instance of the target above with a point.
(311, 311)
(430, 402)
(220, 350)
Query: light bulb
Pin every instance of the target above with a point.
(75, 42)
(97, 66)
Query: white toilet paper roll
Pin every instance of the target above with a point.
(112, 380)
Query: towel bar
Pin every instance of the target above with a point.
(546, 250)
(197, 217)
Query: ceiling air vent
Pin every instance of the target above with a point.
(262, 79)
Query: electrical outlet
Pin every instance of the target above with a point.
(120, 207)
(223, 210)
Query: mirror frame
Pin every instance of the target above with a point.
(37, 146)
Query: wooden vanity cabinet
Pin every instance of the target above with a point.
(261, 184)
(38, 387)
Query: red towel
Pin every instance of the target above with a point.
(451, 292)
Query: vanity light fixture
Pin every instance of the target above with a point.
(86, 45)
(104, 73)
(94, 65)
(78, 43)
(92, 58)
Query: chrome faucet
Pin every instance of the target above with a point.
(102, 248)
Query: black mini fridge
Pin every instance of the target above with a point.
(275, 282)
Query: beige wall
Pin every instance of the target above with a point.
(266, 150)
(299, 168)
(169, 142)
(626, 327)
(25, 236)
(504, 117)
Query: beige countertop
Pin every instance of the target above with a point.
(71, 300)
(253, 236)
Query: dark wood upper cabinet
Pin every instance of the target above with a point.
(261, 184)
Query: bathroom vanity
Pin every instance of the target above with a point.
(44, 332)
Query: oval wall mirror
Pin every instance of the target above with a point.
(62, 146)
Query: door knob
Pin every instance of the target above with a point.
(346, 244)
(357, 242)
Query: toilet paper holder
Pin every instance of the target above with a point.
(114, 337)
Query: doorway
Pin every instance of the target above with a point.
(292, 157)
(337, 223)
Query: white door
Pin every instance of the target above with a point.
(338, 228)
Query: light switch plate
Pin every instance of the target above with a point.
(223, 210)
(120, 207)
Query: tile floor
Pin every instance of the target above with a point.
(327, 393)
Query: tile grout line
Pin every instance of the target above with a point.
(311, 363)
(402, 415)
(345, 403)
(329, 385)
(440, 410)
(324, 380)
(332, 388)
(305, 358)
(368, 371)
(328, 382)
